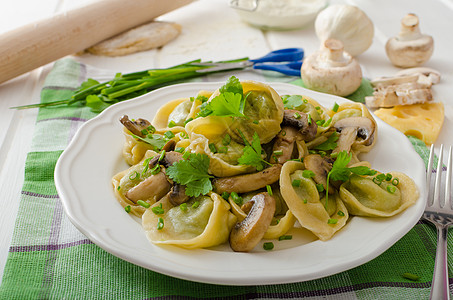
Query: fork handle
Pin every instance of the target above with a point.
(439, 287)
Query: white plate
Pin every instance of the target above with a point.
(83, 180)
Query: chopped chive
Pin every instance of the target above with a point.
(309, 119)
(269, 190)
(118, 188)
(411, 276)
(305, 101)
(212, 148)
(278, 152)
(180, 149)
(169, 134)
(332, 221)
(184, 135)
(395, 181)
(297, 115)
(187, 121)
(171, 124)
(144, 131)
(285, 237)
(283, 133)
(388, 177)
(268, 246)
(225, 195)
(335, 107)
(162, 155)
(128, 209)
(296, 183)
(134, 176)
(305, 201)
(391, 189)
(183, 206)
(340, 213)
(327, 123)
(320, 187)
(186, 155)
(308, 174)
(223, 149)
(318, 107)
(151, 129)
(320, 122)
(160, 224)
(236, 198)
(155, 170)
(256, 122)
(226, 140)
(158, 210)
(196, 204)
(143, 203)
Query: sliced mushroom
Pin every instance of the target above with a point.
(154, 187)
(284, 142)
(354, 130)
(169, 158)
(249, 182)
(320, 166)
(300, 120)
(247, 233)
(425, 75)
(136, 126)
(177, 194)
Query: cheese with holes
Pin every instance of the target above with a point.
(423, 121)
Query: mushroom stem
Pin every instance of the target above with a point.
(154, 187)
(409, 28)
(136, 126)
(247, 234)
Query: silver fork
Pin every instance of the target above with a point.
(440, 213)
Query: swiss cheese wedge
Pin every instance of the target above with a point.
(423, 121)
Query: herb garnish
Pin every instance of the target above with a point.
(192, 171)
(252, 153)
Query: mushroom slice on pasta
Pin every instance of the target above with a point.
(204, 221)
(364, 197)
(304, 201)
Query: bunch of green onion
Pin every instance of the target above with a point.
(100, 95)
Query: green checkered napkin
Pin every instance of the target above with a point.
(50, 259)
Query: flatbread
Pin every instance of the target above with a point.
(144, 37)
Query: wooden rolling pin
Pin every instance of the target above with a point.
(34, 45)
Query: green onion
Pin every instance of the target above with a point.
(320, 122)
(340, 213)
(283, 133)
(335, 107)
(180, 149)
(225, 195)
(391, 189)
(278, 152)
(332, 221)
(305, 201)
(269, 190)
(171, 124)
(256, 122)
(320, 187)
(196, 204)
(236, 198)
(128, 209)
(296, 182)
(143, 203)
(268, 246)
(160, 224)
(395, 181)
(183, 206)
(118, 188)
(388, 177)
(297, 115)
(285, 237)
(226, 140)
(184, 135)
(187, 121)
(155, 170)
(162, 155)
(134, 176)
(308, 174)
(169, 135)
(411, 276)
(158, 210)
(212, 148)
(309, 119)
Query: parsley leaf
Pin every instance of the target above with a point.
(252, 153)
(193, 173)
(229, 103)
(340, 171)
(154, 140)
(329, 144)
(293, 101)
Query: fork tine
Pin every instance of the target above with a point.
(448, 183)
(429, 172)
(436, 198)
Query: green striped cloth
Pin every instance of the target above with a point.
(50, 259)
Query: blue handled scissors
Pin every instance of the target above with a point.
(287, 61)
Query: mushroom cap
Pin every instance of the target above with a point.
(307, 130)
(320, 167)
(364, 128)
(247, 233)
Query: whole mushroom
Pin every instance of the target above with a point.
(331, 70)
(410, 48)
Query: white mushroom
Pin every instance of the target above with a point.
(154, 187)
(331, 70)
(410, 48)
(426, 76)
(352, 130)
(247, 233)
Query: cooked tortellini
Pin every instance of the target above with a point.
(206, 221)
(244, 165)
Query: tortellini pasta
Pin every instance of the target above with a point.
(258, 173)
